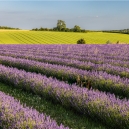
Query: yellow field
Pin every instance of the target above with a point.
(46, 37)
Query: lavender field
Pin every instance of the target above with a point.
(87, 86)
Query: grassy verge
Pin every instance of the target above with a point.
(62, 115)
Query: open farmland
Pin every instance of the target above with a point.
(49, 37)
(78, 86)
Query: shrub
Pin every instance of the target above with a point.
(117, 42)
(108, 42)
(81, 41)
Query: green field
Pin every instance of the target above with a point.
(49, 37)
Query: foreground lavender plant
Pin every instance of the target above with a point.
(13, 115)
(98, 105)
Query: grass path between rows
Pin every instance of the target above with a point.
(66, 116)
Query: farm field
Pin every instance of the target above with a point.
(64, 86)
(49, 37)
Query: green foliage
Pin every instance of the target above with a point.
(77, 28)
(81, 41)
(61, 25)
(6, 27)
(67, 30)
(108, 42)
(124, 31)
(117, 42)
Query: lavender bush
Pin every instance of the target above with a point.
(13, 115)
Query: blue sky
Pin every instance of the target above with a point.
(92, 15)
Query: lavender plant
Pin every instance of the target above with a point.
(13, 115)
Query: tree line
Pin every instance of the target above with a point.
(61, 26)
(6, 27)
(123, 31)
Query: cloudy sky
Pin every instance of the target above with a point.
(92, 15)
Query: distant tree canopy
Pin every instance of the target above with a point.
(6, 27)
(124, 31)
(61, 26)
(77, 28)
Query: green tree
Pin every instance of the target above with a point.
(41, 29)
(77, 28)
(55, 29)
(63, 29)
(83, 30)
(67, 30)
(36, 29)
(50, 29)
(61, 25)
(46, 29)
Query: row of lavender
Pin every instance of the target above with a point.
(100, 51)
(117, 52)
(98, 80)
(98, 105)
(13, 115)
(88, 58)
(109, 68)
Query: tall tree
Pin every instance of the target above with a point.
(61, 25)
(77, 28)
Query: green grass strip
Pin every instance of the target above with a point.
(68, 117)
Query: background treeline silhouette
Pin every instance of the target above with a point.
(6, 27)
(61, 26)
(124, 31)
